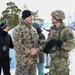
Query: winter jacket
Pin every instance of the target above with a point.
(64, 34)
(25, 37)
(5, 43)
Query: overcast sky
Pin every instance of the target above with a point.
(45, 7)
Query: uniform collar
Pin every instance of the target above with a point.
(24, 24)
(60, 27)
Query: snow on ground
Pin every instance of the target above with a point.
(72, 62)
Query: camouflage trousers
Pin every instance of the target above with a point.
(25, 70)
(59, 66)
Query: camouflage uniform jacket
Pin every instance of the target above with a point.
(65, 34)
(25, 37)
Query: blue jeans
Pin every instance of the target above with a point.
(40, 67)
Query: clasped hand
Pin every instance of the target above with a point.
(33, 51)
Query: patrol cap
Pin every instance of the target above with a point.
(26, 13)
(3, 25)
(58, 14)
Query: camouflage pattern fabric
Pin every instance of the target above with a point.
(25, 37)
(23, 70)
(59, 64)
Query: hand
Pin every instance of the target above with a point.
(46, 50)
(33, 51)
(59, 43)
(49, 45)
(54, 42)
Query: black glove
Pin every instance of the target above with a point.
(55, 42)
(49, 45)
(59, 43)
(52, 43)
(46, 50)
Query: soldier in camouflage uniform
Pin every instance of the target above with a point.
(25, 39)
(60, 43)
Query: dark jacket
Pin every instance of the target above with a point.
(5, 43)
(41, 37)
